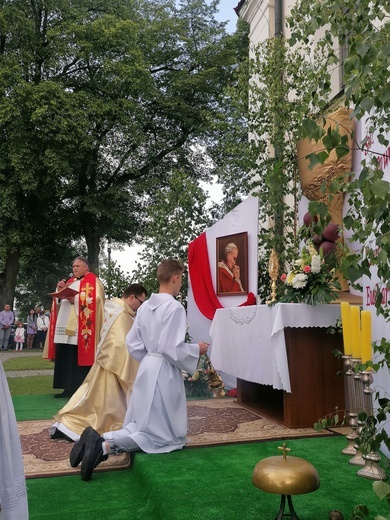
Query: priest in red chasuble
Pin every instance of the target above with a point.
(75, 324)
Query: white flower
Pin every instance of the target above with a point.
(298, 262)
(299, 281)
(315, 264)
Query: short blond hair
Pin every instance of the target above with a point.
(167, 269)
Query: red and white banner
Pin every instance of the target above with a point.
(202, 266)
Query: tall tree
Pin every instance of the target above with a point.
(99, 101)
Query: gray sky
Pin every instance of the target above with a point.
(226, 13)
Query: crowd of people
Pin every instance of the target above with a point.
(16, 333)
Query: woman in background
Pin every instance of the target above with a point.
(31, 328)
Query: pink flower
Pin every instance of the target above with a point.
(307, 269)
(283, 277)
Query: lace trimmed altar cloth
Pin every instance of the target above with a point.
(249, 343)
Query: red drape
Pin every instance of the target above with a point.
(201, 281)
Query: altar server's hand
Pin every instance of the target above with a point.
(203, 347)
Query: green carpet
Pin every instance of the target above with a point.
(204, 484)
(34, 407)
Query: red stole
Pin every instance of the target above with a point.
(86, 339)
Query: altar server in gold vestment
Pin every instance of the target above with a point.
(101, 400)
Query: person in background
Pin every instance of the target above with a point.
(156, 419)
(101, 401)
(11, 342)
(19, 336)
(7, 318)
(31, 328)
(43, 322)
(75, 323)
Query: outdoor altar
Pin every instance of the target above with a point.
(282, 358)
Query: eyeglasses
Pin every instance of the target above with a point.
(135, 296)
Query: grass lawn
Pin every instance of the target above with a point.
(34, 385)
(28, 363)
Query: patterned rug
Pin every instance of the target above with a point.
(210, 423)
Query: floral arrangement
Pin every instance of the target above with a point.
(311, 279)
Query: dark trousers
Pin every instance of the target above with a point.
(67, 374)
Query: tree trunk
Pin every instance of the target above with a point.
(93, 245)
(8, 278)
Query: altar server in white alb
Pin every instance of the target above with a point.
(13, 492)
(156, 420)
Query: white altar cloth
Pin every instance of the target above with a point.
(249, 343)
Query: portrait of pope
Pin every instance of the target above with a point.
(232, 253)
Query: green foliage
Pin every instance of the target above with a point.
(232, 154)
(336, 419)
(281, 84)
(114, 280)
(99, 104)
(365, 29)
(175, 217)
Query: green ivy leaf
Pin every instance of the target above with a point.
(362, 49)
(311, 130)
(380, 189)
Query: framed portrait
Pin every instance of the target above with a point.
(232, 264)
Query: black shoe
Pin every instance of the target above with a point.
(77, 452)
(58, 434)
(93, 454)
(63, 394)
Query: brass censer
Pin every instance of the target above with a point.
(215, 383)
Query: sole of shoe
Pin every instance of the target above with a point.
(93, 456)
(77, 452)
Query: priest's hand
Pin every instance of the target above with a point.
(61, 284)
(203, 347)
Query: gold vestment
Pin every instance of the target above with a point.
(101, 401)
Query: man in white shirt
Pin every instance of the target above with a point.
(43, 322)
(7, 318)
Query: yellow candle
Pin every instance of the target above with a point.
(346, 324)
(355, 331)
(366, 336)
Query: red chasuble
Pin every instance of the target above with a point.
(86, 339)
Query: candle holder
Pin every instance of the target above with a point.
(349, 364)
(367, 380)
(371, 467)
(273, 271)
(357, 459)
